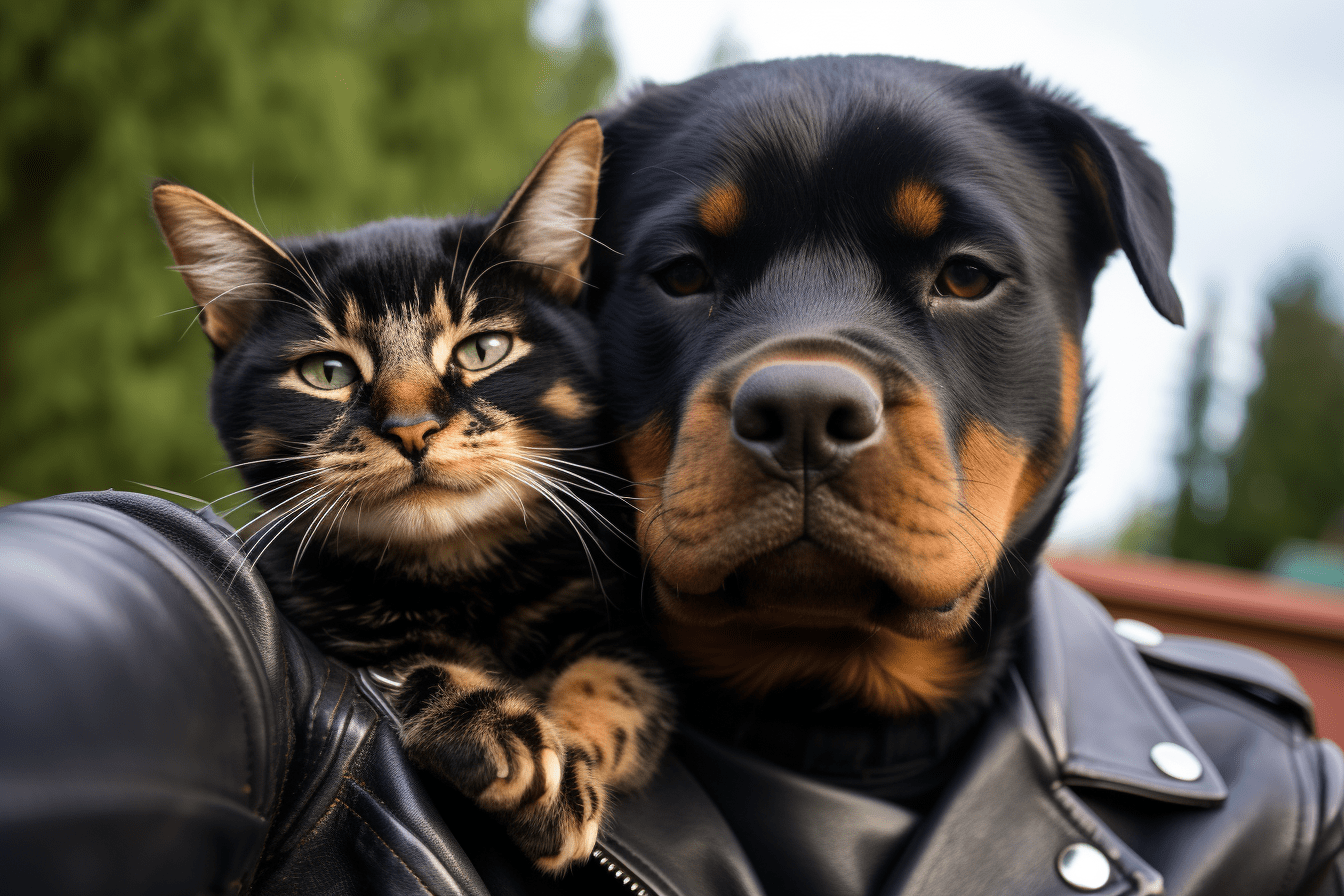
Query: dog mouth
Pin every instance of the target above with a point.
(806, 584)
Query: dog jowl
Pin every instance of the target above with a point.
(843, 337)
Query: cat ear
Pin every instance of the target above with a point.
(549, 221)
(228, 265)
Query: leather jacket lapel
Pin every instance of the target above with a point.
(1083, 711)
(1101, 709)
(1003, 824)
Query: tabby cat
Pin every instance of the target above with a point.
(413, 403)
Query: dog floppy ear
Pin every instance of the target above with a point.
(549, 221)
(227, 264)
(1125, 194)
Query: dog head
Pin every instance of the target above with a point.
(843, 335)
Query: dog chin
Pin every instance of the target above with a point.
(806, 586)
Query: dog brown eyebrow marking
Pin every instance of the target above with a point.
(917, 208)
(722, 209)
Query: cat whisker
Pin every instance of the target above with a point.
(335, 523)
(279, 482)
(546, 454)
(168, 491)
(289, 518)
(535, 264)
(552, 483)
(264, 460)
(583, 482)
(269, 514)
(312, 529)
(577, 524)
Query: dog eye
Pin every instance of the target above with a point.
(328, 370)
(483, 350)
(964, 280)
(683, 277)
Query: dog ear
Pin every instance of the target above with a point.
(549, 221)
(227, 264)
(1125, 196)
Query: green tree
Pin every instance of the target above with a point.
(300, 115)
(1285, 475)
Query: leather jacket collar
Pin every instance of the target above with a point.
(1081, 710)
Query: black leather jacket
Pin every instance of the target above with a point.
(167, 732)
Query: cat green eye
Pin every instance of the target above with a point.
(329, 370)
(482, 350)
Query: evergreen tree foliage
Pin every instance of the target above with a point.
(299, 115)
(1285, 475)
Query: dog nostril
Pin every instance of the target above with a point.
(852, 423)
(758, 423)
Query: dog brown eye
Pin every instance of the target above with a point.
(963, 280)
(683, 277)
(328, 370)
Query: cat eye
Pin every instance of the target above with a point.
(683, 277)
(964, 279)
(482, 350)
(328, 370)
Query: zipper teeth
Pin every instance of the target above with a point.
(623, 875)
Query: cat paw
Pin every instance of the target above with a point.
(560, 834)
(494, 744)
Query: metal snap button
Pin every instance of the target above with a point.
(1138, 632)
(1083, 867)
(1175, 761)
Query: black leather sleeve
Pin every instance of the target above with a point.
(167, 732)
(1325, 865)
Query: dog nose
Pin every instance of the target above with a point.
(805, 417)
(413, 434)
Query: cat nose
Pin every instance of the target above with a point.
(412, 433)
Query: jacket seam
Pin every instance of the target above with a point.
(386, 846)
(1291, 872)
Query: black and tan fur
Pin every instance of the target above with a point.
(424, 518)
(845, 327)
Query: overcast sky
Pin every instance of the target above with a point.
(1243, 106)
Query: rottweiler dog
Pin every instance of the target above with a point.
(841, 325)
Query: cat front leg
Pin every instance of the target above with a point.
(614, 716)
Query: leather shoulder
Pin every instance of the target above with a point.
(1243, 669)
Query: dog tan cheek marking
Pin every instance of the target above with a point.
(707, 484)
(564, 401)
(909, 481)
(603, 706)
(722, 209)
(1001, 478)
(917, 208)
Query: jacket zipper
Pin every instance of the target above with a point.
(624, 877)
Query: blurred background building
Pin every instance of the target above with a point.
(1222, 443)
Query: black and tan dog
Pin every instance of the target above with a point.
(843, 334)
